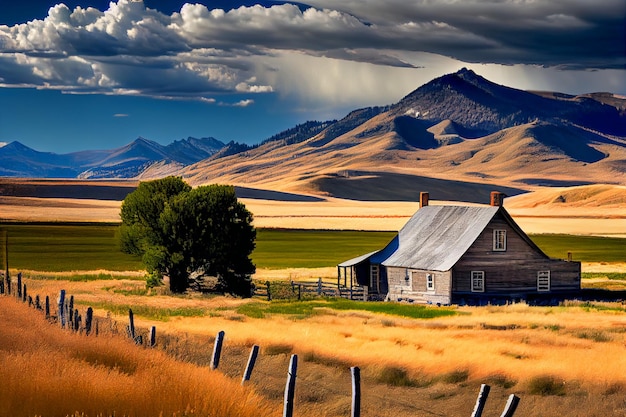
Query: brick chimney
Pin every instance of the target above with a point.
(497, 198)
(423, 199)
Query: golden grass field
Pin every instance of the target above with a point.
(50, 372)
(577, 351)
(599, 210)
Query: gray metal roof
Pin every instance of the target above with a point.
(436, 237)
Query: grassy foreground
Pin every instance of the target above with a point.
(92, 247)
(48, 372)
(565, 360)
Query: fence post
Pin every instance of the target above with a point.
(481, 400)
(511, 406)
(250, 366)
(24, 296)
(356, 391)
(152, 336)
(6, 261)
(19, 285)
(217, 350)
(37, 302)
(61, 304)
(70, 311)
(131, 324)
(269, 294)
(88, 319)
(47, 307)
(319, 286)
(290, 387)
(299, 292)
(76, 320)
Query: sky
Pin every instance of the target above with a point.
(92, 74)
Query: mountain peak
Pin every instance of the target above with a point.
(466, 72)
(468, 76)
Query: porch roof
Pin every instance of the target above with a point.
(357, 260)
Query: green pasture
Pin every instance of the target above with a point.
(67, 247)
(306, 309)
(583, 248)
(278, 249)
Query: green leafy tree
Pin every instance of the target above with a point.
(185, 233)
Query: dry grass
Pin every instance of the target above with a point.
(596, 209)
(555, 358)
(50, 372)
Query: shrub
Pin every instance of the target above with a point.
(329, 361)
(545, 385)
(595, 335)
(278, 349)
(501, 381)
(399, 377)
(455, 377)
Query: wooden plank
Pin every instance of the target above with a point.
(254, 352)
(290, 387)
(481, 400)
(217, 350)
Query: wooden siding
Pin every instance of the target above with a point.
(513, 271)
(415, 289)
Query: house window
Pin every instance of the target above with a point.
(430, 282)
(499, 240)
(374, 276)
(543, 281)
(478, 281)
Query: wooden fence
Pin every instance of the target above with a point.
(283, 290)
(69, 317)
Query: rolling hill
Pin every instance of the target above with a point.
(459, 128)
(458, 136)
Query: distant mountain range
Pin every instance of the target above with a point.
(457, 129)
(455, 132)
(18, 160)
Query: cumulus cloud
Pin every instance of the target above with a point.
(244, 103)
(197, 53)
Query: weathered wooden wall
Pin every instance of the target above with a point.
(513, 271)
(415, 289)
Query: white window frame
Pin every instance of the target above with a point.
(543, 281)
(499, 240)
(430, 282)
(478, 277)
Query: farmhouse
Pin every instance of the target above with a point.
(462, 254)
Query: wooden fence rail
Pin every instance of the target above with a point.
(70, 318)
(279, 290)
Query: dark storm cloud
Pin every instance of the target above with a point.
(132, 49)
(563, 33)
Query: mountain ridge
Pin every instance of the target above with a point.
(459, 127)
(128, 161)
